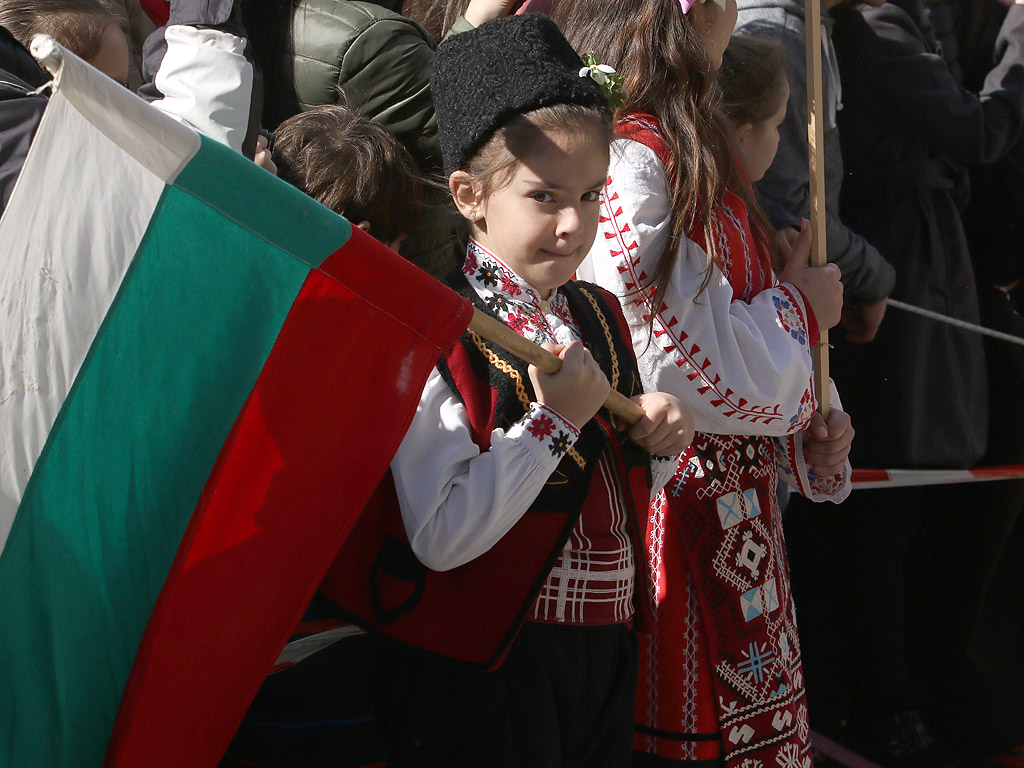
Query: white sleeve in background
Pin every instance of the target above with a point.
(457, 501)
(742, 368)
(793, 468)
(206, 83)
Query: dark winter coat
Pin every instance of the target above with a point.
(360, 54)
(20, 109)
(919, 392)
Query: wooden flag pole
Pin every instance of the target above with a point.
(500, 334)
(816, 153)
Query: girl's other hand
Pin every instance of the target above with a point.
(667, 427)
(481, 11)
(820, 286)
(826, 446)
(784, 240)
(578, 390)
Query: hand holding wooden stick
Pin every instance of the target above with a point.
(500, 334)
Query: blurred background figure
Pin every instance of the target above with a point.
(84, 27)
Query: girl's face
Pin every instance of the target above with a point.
(716, 25)
(112, 57)
(543, 222)
(759, 142)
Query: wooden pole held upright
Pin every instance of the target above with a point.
(816, 155)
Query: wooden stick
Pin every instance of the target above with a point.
(816, 154)
(500, 334)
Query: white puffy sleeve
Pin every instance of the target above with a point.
(206, 82)
(743, 368)
(458, 501)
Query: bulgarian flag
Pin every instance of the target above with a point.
(203, 375)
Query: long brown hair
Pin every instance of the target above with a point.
(753, 78)
(435, 16)
(667, 71)
(78, 25)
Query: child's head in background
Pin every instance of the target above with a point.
(756, 91)
(525, 141)
(354, 167)
(84, 27)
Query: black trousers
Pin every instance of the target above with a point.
(563, 698)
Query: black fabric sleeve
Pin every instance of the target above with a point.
(918, 87)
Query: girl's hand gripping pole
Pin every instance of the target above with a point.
(500, 334)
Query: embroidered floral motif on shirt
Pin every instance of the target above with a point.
(541, 427)
(515, 302)
(517, 323)
(487, 274)
(497, 303)
(803, 415)
(559, 445)
(790, 319)
(508, 285)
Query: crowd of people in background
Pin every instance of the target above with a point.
(676, 593)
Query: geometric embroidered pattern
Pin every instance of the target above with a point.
(734, 508)
(750, 604)
(755, 660)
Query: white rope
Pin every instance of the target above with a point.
(958, 323)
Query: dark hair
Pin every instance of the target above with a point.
(78, 25)
(667, 71)
(752, 77)
(352, 166)
(493, 165)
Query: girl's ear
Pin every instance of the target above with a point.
(744, 130)
(465, 193)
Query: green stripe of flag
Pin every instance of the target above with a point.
(311, 232)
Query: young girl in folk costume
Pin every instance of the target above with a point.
(507, 569)
(755, 93)
(684, 246)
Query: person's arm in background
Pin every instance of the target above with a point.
(20, 109)
(916, 84)
(198, 69)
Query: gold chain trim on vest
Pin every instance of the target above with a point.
(513, 374)
(607, 335)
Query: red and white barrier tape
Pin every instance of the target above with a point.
(864, 479)
(839, 753)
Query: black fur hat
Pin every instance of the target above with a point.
(483, 77)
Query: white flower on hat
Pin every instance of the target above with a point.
(605, 76)
(598, 72)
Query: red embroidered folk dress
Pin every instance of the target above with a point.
(720, 677)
